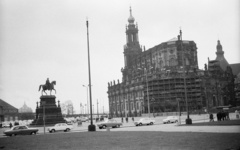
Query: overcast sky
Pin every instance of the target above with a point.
(42, 39)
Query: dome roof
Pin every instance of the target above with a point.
(131, 18)
(25, 109)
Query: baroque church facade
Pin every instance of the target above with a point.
(163, 78)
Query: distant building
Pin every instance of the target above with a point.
(7, 112)
(25, 109)
(26, 113)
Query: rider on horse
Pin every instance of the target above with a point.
(48, 86)
(48, 83)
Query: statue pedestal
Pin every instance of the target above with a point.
(53, 114)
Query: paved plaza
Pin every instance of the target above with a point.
(174, 127)
(159, 126)
(129, 136)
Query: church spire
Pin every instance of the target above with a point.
(220, 52)
(131, 18)
(132, 47)
(220, 56)
(219, 48)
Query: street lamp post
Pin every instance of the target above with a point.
(91, 127)
(80, 108)
(125, 103)
(87, 98)
(217, 90)
(97, 109)
(179, 113)
(188, 120)
(84, 110)
(147, 95)
(147, 90)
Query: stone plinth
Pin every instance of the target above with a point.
(53, 113)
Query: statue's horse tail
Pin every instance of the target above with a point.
(40, 87)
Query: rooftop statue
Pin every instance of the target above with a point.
(47, 86)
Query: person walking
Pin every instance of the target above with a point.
(211, 119)
(227, 115)
(219, 116)
(237, 114)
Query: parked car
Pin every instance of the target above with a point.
(170, 119)
(5, 125)
(21, 130)
(109, 123)
(60, 127)
(144, 121)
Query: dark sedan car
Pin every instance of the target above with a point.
(109, 123)
(20, 130)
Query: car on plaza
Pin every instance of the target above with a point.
(170, 119)
(144, 121)
(20, 130)
(5, 125)
(109, 123)
(60, 127)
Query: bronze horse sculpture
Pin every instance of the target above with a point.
(49, 87)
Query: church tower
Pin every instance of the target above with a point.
(132, 47)
(220, 56)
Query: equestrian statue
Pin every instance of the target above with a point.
(48, 86)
